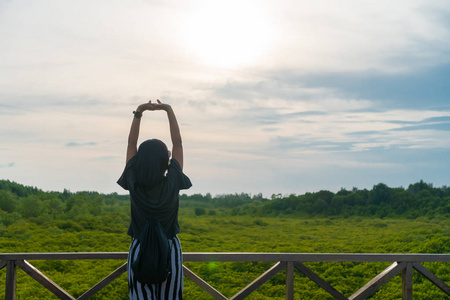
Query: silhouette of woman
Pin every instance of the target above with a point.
(154, 180)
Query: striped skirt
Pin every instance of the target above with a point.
(171, 289)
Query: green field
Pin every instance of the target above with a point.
(242, 234)
(91, 222)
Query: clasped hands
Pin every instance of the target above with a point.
(153, 106)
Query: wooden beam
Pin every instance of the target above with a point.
(373, 285)
(44, 280)
(433, 278)
(407, 282)
(259, 281)
(313, 257)
(290, 281)
(203, 284)
(319, 280)
(11, 280)
(104, 282)
(243, 256)
(3, 264)
(64, 255)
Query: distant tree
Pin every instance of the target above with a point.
(445, 191)
(9, 218)
(419, 186)
(400, 200)
(336, 205)
(197, 197)
(319, 206)
(276, 196)
(17, 189)
(200, 211)
(379, 194)
(53, 206)
(7, 201)
(95, 205)
(325, 195)
(343, 192)
(30, 207)
(65, 194)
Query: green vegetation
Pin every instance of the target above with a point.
(382, 220)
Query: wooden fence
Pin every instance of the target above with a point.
(401, 263)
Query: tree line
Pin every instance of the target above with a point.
(419, 199)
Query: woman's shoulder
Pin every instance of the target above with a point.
(126, 180)
(174, 164)
(176, 176)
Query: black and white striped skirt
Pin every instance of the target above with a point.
(171, 289)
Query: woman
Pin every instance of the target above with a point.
(154, 181)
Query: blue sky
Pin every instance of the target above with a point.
(272, 96)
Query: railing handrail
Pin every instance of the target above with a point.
(243, 256)
(404, 263)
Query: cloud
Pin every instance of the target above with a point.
(108, 158)
(423, 88)
(437, 123)
(23, 102)
(10, 165)
(278, 84)
(338, 115)
(76, 144)
(9, 108)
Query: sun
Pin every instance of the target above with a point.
(227, 34)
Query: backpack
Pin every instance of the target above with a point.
(153, 262)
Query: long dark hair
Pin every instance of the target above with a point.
(152, 162)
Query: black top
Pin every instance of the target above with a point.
(160, 202)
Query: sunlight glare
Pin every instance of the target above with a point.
(228, 34)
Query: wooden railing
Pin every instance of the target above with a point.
(404, 263)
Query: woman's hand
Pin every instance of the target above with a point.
(153, 106)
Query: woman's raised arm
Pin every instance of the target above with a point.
(175, 135)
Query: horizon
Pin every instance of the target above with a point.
(251, 195)
(272, 97)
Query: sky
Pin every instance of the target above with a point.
(272, 96)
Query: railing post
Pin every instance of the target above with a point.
(407, 282)
(290, 280)
(11, 279)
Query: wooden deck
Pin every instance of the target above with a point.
(400, 263)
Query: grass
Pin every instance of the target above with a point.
(208, 233)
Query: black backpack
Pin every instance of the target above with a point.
(153, 262)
